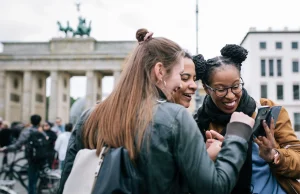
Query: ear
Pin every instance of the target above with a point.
(159, 71)
(206, 89)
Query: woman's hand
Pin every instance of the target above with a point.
(214, 149)
(212, 136)
(213, 143)
(267, 144)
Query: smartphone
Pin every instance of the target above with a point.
(258, 129)
(262, 113)
(273, 112)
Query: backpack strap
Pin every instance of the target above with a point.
(42, 132)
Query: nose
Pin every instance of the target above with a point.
(229, 94)
(180, 85)
(193, 85)
(176, 89)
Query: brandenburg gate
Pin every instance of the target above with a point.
(25, 66)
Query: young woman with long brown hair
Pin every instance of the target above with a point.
(161, 137)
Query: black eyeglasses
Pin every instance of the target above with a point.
(222, 92)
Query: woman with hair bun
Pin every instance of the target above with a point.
(183, 96)
(162, 138)
(273, 162)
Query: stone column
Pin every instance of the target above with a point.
(99, 77)
(91, 89)
(64, 97)
(39, 94)
(116, 75)
(53, 100)
(59, 104)
(2, 94)
(27, 96)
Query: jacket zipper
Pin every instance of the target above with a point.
(292, 187)
(286, 147)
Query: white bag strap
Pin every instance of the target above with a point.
(101, 157)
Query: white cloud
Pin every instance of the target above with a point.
(220, 22)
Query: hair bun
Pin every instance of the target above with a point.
(140, 34)
(235, 52)
(200, 66)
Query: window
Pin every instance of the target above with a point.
(99, 83)
(297, 121)
(278, 45)
(39, 98)
(40, 83)
(262, 45)
(98, 97)
(263, 91)
(295, 66)
(271, 67)
(16, 83)
(65, 83)
(296, 92)
(65, 98)
(14, 97)
(294, 45)
(263, 67)
(280, 92)
(279, 68)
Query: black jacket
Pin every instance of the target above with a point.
(176, 151)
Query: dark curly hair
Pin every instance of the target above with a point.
(231, 54)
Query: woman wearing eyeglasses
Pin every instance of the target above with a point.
(273, 162)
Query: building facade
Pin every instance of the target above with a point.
(272, 69)
(25, 66)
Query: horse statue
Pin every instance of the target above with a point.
(82, 28)
(66, 29)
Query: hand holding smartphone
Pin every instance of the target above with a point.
(265, 113)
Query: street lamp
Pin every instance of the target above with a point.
(197, 96)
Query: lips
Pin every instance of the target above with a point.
(188, 96)
(230, 105)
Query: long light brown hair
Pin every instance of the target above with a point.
(125, 114)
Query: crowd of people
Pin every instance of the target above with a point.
(212, 151)
(53, 149)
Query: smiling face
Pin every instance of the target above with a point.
(169, 82)
(184, 95)
(173, 80)
(46, 126)
(223, 77)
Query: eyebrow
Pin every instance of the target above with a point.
(185, 73)
(221, 85)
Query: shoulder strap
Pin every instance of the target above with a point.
(42, 132)
(98, 167)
